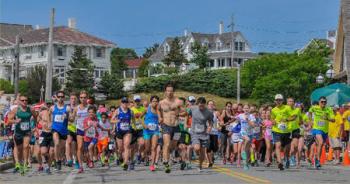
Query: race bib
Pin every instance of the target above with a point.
(111, 146)
(91, 132)
(268, 131)
(41, 139)
(24, 126)
(177, 136)
(199, 128)
(321, 123)
(139, 126)
(124, 126)
(59, 118)
(152, 126)
(282, 126)
(256, 130)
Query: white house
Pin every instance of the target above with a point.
(219, 48)
(34, 49)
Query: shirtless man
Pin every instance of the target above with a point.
(169, 111)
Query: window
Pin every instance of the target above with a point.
(97, 73)
(28, 50)
(239, 46)
(42, 51)
(218, 45)
(229, 62)
(62, 72)
(99, 52)
(211, 63)
(61, 51)
(223, 62)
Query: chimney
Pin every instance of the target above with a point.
(72, 23)
(185, 32)
(37, 27)
(221, 27)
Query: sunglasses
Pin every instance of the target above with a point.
(60, 96)
(24, 100)
(83, 97)
(323, 101)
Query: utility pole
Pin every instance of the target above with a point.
(232, 25)
(16, 65)
(48, 91)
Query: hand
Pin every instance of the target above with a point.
(18, 120)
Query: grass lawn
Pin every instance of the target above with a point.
(220, 101)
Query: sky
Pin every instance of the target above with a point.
(268, 25)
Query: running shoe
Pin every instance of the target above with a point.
(40, 168)
(317, 164)
(152, 168)
(132, 166)
(287, 164)
(81, 170)
(280, 166)
(183, 166)
(70, 163)
(17, 168)
(167, 168)
(47, 170)
(244, 155)
(76, 165)
(246, 167)
(124, 166)
(292, 161)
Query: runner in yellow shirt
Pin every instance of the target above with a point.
(280, 132)
(334, 134)
(346, 119)
(320, 116)
(294, 127)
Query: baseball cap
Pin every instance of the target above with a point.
(191, 98)
(137, 98)
(279, 97)
(125, 100)
(335, 106)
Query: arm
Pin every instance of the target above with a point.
(12, 116)
(160, 114)
(72, 115)
(222, 123)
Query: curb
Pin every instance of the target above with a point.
(6, 166)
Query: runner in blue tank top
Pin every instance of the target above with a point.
(123, 117)
(151, 130)
(59, 115)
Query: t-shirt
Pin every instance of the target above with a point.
(199, 120)
(319, 116)
(138, 111)
(295, 124)
(90, 133)
(103, 133)
(346, 116)
(244, 119)
(280, 115)
(334, 128)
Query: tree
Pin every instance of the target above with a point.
(112, 85)
(6, 86)
(200, 55)
(175, 55)
(118, 57)
(143, 69)
(81, 75)
(32, 84)
(150, 51)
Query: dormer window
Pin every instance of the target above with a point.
(239, 46)
(218, 45)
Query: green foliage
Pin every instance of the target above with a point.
(6, 86)
(150, 50)
(112, 85)
(200, 55)
(81, 77)
(175, 54)
(118, 57)
(143, 69)
(219, 82)
(35, 79)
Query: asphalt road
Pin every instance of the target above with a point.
(218, 174)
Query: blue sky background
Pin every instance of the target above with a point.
(269, 25)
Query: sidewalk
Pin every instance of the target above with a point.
(6, 165)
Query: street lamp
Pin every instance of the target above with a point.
(330, 73)
(319, 79)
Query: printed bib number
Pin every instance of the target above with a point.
(25, 126)
(91, 132)
(321, 123)
(111, 146)
(152, 126)
(282, 126)
(124, 126)
(256, 130)
(41, 139)
(177, 136)
(59, 118)
(199, 128)
(268, 131)
(139, 126)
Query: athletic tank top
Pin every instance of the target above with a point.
(81, 115)
(72, 126)
(151, 121)
(226, 119)
(124, 120)
(23, 126)
(60, 119)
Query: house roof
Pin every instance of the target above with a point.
(134, 63)
(61, 34)
(8, 32)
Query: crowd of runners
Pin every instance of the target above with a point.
(160, 133)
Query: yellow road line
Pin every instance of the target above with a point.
(239, 174)
(234, 176)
